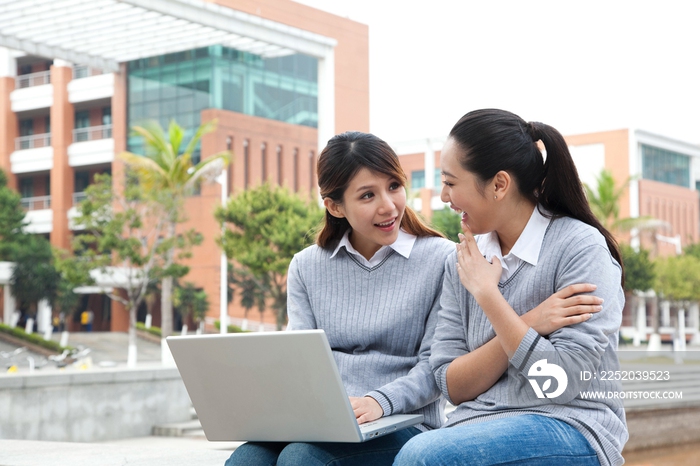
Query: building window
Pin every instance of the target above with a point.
(665, 166)
(263, 161)
(26, 127)
(107, 115)
(179, 86)
(295, 173)
(418, 179)
(246, 164)
(82, 181)
(26, 187)
(82, 120)
(279, 165)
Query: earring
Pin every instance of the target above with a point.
(495, 197)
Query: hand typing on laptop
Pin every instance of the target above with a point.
(366, 409)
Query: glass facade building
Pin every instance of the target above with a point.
(178, 86)
(665, 166)
(418, 179)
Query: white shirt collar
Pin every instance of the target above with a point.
(403, 245)
(526, 248)
(529, 243)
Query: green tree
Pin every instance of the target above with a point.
(448, 222)
(120, 240)
(34, 276)
(267, 226)
(74, 272)
(11, 218)
(167, 171)
(678, 278)
(639, 269)
(250, 293)
(190, 301)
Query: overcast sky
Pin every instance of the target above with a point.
(578, 66)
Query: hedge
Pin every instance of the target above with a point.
(152, 330)
(231, 328)
(33, 338)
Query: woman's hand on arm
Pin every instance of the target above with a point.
(472, 374)
(366, 409)
(565, 307)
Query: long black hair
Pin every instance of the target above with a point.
(344, 156)
(493, 140)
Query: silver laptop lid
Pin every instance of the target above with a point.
(266, 386)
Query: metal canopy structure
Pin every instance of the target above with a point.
(104, 33)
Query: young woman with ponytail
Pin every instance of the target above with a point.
(521, 395)
(372, 282)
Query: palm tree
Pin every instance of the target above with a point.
(168, 173)
(605, 204)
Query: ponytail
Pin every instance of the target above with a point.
(561, 191)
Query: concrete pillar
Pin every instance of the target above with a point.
(681, 330)
(8, 63)
(665, 313)
(8, 305)
(62, 174)
(43, 316)
(9, 127)
(326, 99)
(119, 128)
(119, 320)
(426, 198)
(694, 311)
(641, 321)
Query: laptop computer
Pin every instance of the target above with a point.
(272, 386)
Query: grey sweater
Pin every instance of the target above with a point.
(572, 252)
(379, 321)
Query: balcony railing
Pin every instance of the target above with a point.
(79, 197)
(36, 203)
(84, 71)
(33, 79)
(92, 133)
(32, 142)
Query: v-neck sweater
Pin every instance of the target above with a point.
(379, 321)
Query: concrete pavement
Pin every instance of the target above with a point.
(170, 451)
(143, 451)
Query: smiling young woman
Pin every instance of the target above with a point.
(372, 282)
(537, 237)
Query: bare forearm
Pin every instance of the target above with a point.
(509, 327)
(472, 374)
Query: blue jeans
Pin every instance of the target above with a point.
(525, 439)
(380, 451)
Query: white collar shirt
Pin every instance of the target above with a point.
(403, 245)
(526, 248)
